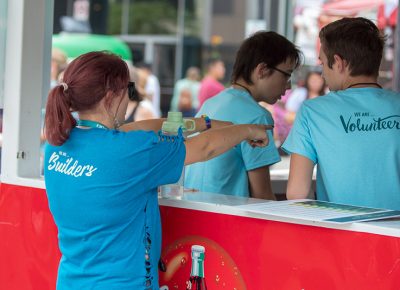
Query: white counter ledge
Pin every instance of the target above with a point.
(225, 204)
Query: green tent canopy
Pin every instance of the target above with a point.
(75, 44)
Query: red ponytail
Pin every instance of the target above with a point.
(58, 120)
(87, 80)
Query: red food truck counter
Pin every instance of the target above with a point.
(268, 249)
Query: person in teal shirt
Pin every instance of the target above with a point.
(352, 134)
(262, 71)
(101, 178)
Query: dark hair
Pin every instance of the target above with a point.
(133, 93)
(144, 65)
(210, 62)
(86, 82)
(138, 94)
(356, 40)
(263, 47)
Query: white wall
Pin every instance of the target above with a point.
(26, 82)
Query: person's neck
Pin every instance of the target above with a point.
(312, 95)
(360, 82)
(99, 118)
(212, 76)
(243, 86)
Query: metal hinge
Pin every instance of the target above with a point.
(21, 155)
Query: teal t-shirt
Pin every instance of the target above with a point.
(354, 138)
(227, 173)
(102, 192)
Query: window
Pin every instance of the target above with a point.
(223, 7)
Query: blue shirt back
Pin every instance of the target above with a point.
(227, 173)
(354, 138)
(102, 191)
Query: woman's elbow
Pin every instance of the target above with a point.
(200, 153)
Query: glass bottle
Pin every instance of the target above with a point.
(197, 281)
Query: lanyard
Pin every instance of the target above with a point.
(244, 87)
(365, 84)
(91, 124)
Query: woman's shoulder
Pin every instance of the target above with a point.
(113, 137)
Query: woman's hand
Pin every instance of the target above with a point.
(258, 135)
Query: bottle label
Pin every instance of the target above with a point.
(197, 280)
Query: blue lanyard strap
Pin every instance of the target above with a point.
(91, 124)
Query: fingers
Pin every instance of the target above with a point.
(258, 143)
(268, 127)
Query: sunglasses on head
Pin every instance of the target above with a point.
(132, 92)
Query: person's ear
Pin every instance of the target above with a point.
(262, 70)
(339, 62)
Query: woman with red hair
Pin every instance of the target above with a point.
(102, 178)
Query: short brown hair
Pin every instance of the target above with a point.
(356, 40)
(263, 47)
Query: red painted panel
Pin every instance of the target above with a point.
(274, 255)
(241, 253)
(29, 254)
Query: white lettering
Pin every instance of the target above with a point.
(70, 166)
(52, 161)
(91, 170)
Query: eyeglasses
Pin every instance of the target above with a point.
(286, 74)
(132, 93)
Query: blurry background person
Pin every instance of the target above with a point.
(186, 92)
(139, 107)
(314, 87)
(152, 87)
(281, 128)
(58, 64)
(305, 22)
(210, 85)
(284, 110)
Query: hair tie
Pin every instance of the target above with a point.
(64, 85)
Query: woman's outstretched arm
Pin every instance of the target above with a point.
(155, 125)
(214, 142)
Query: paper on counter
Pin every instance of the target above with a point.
(322, 211)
